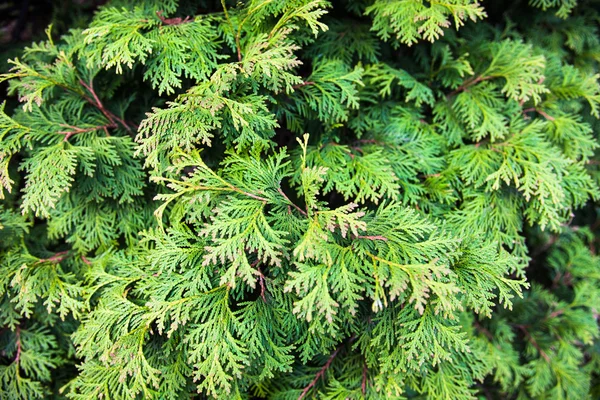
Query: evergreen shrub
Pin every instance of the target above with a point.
(297, 199)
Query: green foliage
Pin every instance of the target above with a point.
(564, 6)
(407, 21)
(303, 199)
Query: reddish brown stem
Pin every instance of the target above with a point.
(261, 282)
(325, 368)
(555, 314)
(533, 342)
(301, 211)
(306, 83)
(483, 142)
(556, 280)
(76, 130)
(357, 149)
(98, 104)
(239, 48)
(540, 81)
(467, 85)
(363, 384)
(541, 112)
(55, 259)
(320, 373)
(252, 195)
(18, 339)
(172, 21)
(375, 237)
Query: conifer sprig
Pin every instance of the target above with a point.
(303, 199)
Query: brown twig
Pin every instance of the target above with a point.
(98, 104)
(357, 149)
(374, 237)
(483, 142)
(237, 189)
(251, 195)
(261, 277)
(301, 211)
(55, 259)
(324, 369)
(427, 176)
(320, 373)
(172, 21)
(533, 342)
(239, 48)
(541, 112)
(306, 83)
(363, 384)
(554, 314)
(467, 85)
(76, 130)
(18, 339)
(540, 81)
(261, 282)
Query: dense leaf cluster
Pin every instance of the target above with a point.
(304, 199)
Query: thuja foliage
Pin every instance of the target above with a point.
(304, 199)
